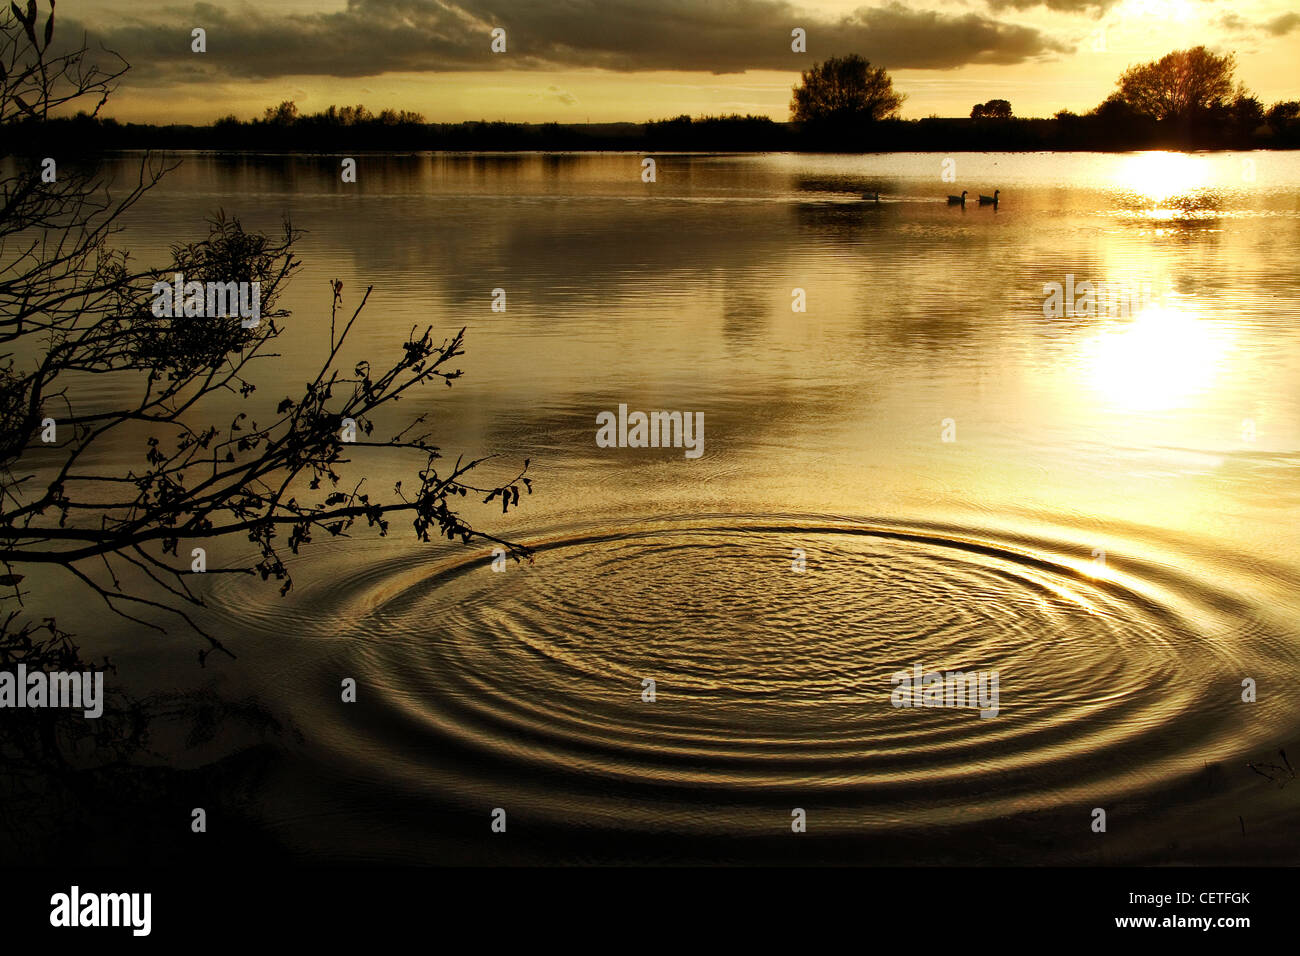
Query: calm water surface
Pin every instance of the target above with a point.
(1112, 529)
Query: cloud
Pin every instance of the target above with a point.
(1093, 7)
(564, 96)
(371, 37)
(1283, 24)
(1278, 26)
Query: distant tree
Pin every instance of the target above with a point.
(730, 131)
(354, 115)
(391, 117)
(1180, 85)
(1115, 107)
(1247, 111)
(993, 109)
(1282, 112)
(844, 92)
(283, 115)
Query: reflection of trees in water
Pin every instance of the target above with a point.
(845, 183)
(744, 313)
(841, 222)
(76, 789)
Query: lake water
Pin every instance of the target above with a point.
(1099, 507)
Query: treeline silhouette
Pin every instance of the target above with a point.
(1112, 126)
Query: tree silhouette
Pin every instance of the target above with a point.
(993, 109)
(843, 93)
(281, 115)
(88, 371)
(1179, 86)
(1282, 112)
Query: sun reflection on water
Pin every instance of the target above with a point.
(1158, 361)
(1159, 176)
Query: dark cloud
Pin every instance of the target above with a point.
(1278, 26)
(1282, 25)
(371, 37)
(1092, 7)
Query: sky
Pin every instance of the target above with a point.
(575, 61)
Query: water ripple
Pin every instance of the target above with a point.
(771, 683)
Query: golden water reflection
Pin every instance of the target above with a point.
(1159, 176)
(1159, 360)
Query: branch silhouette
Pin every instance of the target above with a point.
(89, 370)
